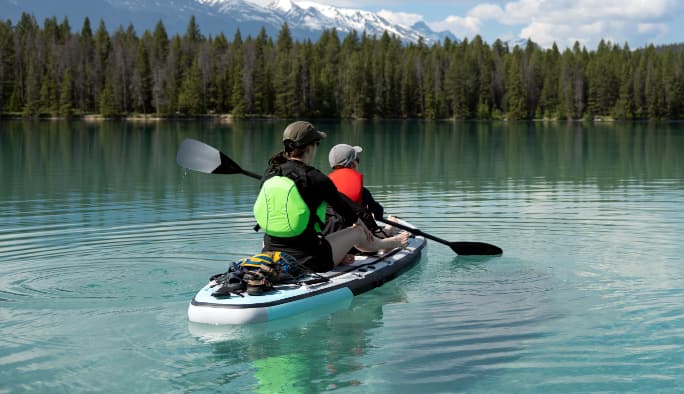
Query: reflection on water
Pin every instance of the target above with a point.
(306, 354)
(104, 240)
(47, 158)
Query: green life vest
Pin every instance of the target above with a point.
(282, 212)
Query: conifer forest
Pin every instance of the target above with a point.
(54, 70)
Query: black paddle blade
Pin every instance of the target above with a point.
(475, 249)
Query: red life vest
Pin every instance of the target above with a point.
(349, 182)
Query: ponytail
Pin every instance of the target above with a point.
(291, 149)
(278, 159)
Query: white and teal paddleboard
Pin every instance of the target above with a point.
(310, 292)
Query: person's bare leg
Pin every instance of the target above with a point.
(389, 230)
(343, 240)
(397, 241)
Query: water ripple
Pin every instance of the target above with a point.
(71, 263)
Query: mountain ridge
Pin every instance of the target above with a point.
(305, 19)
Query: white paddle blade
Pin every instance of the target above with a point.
(198, 156)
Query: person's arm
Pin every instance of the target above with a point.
(376, 209)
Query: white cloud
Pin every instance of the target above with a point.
(659, 28)
(460, 26)
(401, 18)
(567, 21)
(487, 11)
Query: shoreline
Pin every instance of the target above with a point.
(229, 118)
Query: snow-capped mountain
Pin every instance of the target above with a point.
(305, 19)
(316, 17)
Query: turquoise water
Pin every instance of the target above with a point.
(104, 241)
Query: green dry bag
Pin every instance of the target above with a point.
(281, 211)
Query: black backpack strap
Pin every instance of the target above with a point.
(299, 177)
(270, 173)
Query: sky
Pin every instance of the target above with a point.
(564, 22)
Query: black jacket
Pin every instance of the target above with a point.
(314, 187)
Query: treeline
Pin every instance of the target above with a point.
(52, 71)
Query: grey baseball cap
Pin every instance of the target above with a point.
(343, 155)
(302, 133)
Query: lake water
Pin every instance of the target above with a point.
(104, 240)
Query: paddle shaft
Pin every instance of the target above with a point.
(414, 231)
(461, 248)
(226, 159)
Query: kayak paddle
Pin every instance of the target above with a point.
(198, 156)
(461, 248)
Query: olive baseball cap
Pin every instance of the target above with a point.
(302, 133)
(343, 155)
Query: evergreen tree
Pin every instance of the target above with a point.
(120, 65)
(173, 77)
(284, 78)
(566, 86)
(85, 78)
(66, 95)
(192, 33)
(33, 93)
(432, 77)
(108, 103)
(142, 80)
(579, 81)
(49, 95)
(349, 46)
(327, 83)
(238, 96)
(655, 97)
(206, 58)
(363, 97)
(223, 77)
(603, 85)
(64, 31)
(673, 80)
(7, 75)
(159, 52)
(260, 59)
(532, 78)
(456, 83)
(190, 43)
(408, 88)
(190, 95)
(498, 87)
(28, 65)
(549, 102)
(515, 92)
(624, 107)
(102, 47)
(485, 71)
(304, 70)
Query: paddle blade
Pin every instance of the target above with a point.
(475, 249)
(198, 156)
